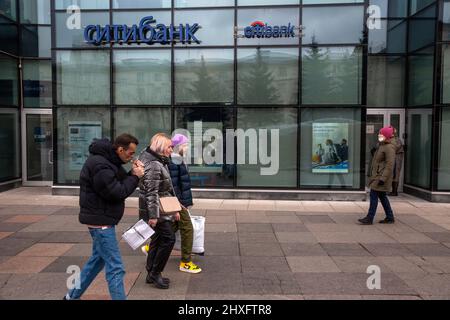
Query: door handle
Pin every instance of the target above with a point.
(50, 156)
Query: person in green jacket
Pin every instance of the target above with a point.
(381, 174)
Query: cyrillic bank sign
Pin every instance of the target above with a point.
(259, 29)
(145, 32)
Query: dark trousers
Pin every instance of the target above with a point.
(161, 246)
(374, 196)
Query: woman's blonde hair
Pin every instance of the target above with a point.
(160, 142)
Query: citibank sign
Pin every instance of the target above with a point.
(146, 32)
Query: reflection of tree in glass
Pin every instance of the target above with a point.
(207, 87)
(256, 81)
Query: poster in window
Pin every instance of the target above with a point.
(81, 134)
(330, 148)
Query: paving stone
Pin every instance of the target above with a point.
(67, 211)
(222, 248)
(359, 264)
(126, 250)
(264, 264)
(211, 212)
(12, 246)
(46, 250)
(388, 249)
(219, 264)
(439, 236)
(3, 281)
(428, 284)
(316, 219)
(216, 284)
(291, 213)
(261, 249)
(38, 286)
(252, 218)
(221, 227)
(179, 282)
(296, 237)
(345, 249)
(5, 234)
(400, 264)
(38, 236)
(68, 237)
(371, 236)
(443, 263)
(254, 227)
(312, 264)
(221, 219)
(289, 227)
(99, 287)
(4, 217)
(25, 219)
(285, 219)
(415, 237)
(391, 297)
(303, 249)
(332, 297)
(350, 284)
(26, 264)
(272, 283)
(80, 250)
(425, 265)
(257, 237)
(429, 250)
(12, 227)
(61, 264)
(220, 237)
(31, 209)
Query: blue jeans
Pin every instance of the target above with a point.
(374, 195)
(105, 253)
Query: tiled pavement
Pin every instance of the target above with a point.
(254, 250)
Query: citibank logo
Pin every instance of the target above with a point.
(259, 29)
(146, 32)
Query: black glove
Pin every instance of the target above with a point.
(381, 183)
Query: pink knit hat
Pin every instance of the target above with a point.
(179, 139)
(387, 132)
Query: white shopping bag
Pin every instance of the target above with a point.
(198, 245)
(138, 234)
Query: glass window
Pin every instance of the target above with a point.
(83, 4)
(271, 17)
(203, 3)
(268, 76)
(391, 8)
(344, 24)
(37, 83)
(74, 38)
(216, 26)
(265, 2)
(142, 77)
(83, 77)
(267, 147)
(131, 18)
(418, 153)
(144, 4)
(204, 76)
(421, 78)
(446, 22)
(444, 152)
(391, 38)
(142, 123)
(417, 5)
(36, 41)
(331, 75)
(330, 1)
(8, 9)
(77, 127)
(9, 91)
(386, 81)
(422, 29)
(206, 128)
(9, 138)
(8, 38)
(35, 11)
(330, 152)
(445, 73)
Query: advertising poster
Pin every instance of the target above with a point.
(81, 134)
(330, 148)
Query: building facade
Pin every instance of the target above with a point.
(324, 74)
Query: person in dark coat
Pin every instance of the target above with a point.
(104, 186)
(380, 177)
(155, 184)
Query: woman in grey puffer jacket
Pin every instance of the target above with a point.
(156, 183)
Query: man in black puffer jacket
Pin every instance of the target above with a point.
(104, 186)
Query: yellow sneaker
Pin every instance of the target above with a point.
(145, 249)
(189, 267)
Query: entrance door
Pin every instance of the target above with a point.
(377, 119)
(37, 147)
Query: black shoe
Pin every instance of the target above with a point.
(157, 280)
(387, 221)
(365, 221)
(149, 279)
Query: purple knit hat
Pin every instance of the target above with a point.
(179, 139)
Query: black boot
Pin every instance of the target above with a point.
(387, 221)
(394, 192)
(150, 280)
(366, 221)
(157, 281)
